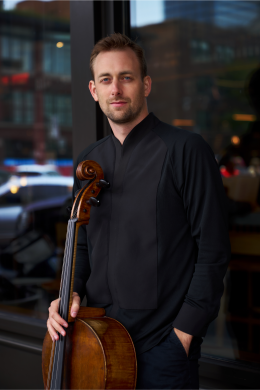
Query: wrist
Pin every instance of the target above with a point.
(184, 338)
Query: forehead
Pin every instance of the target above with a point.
(116, 61)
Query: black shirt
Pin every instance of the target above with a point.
(155, 252)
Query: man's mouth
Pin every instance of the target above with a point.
(118, 103)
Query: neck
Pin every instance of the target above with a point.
(121, 130)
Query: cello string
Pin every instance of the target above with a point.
(53, 343)
(63, 288)
(65, 294)
(66, 264)
(66, 274)
(64, 260)
(57, 343)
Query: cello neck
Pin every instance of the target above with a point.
(68, 270)
(67, 279)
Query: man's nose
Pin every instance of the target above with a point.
(116, 88)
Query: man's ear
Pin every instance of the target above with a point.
(147, 85)
(92, 89)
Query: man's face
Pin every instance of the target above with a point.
(118, 85)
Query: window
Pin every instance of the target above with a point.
(200, 51)
(57, 110)
(23, 107)
(216, 70)
(224, 53)
(17, 53)
(35, 134)
(56, 55)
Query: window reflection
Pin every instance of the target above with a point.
(16, 49)
(35, 151)
(203, 57)
(56, 54)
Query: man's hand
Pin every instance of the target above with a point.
(184, 338)
(55, 323)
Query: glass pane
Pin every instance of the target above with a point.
(203, 58)
(35, 152)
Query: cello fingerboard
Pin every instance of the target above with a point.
(57, 369)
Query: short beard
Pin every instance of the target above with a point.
(129, 116)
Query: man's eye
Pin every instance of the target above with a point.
(127, 78)
(105, 79)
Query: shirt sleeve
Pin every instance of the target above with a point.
(205, 204)
(82, 267)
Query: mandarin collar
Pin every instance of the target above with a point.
(137, 133)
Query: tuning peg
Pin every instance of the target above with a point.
(76, 193)
(103, 184)
(93, 202)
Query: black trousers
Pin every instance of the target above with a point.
(167, 366)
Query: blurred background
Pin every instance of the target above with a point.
(204, 57)
(35, 151)
(204, 60)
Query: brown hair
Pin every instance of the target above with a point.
(118, 41)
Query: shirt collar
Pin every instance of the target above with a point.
(137, 133)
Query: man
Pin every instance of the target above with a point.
(155, 253)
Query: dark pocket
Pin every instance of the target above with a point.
(195, 348)
(178, 343)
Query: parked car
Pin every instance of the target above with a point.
(23, 198)
(36, 170)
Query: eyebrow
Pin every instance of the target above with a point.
(120, 74)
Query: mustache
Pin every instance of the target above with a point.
(126, 100)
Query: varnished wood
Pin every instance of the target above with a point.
(99, 355)
(47, 359)
(85, 312)
(84, 363)
(119, 352)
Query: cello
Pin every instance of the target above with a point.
(97, 352)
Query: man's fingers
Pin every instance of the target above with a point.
(55, 326)
(55, 322)
(56, 317)
(75, 305)
(54, 305)
(52, 331)
(53, 313)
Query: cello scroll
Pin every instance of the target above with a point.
(86, 197)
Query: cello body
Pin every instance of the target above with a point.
(99, 354)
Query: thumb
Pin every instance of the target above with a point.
(75, 304)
